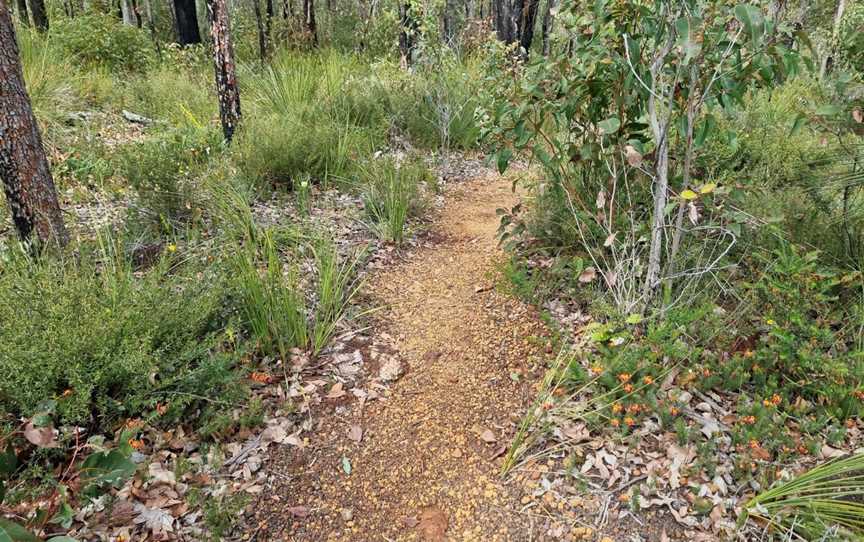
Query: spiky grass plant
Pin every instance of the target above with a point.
(824, 503)
(337, 286)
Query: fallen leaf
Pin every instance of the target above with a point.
(155, 519)
(634, 157)
(355, 433)
(433, 524)
(346, 465)
(390, 370)
(858, 115)
(336, 391)
(488, 436)
(410, 521)
(160, 474)
(42, 437)
(587, 275)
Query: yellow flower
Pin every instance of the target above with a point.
(172, 248)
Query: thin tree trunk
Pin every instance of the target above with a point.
(309, 18)
(547, 27)
(23, 15)
(828, 60)
(527, 22)
(407, 34)
(259, 23)
(24, 169)
(223, 60)
(186, 19)
(268, 23)
(127, 12)
(40, 15)
(449, 21)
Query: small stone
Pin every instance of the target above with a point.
(347, 514)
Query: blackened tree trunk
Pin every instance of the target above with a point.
(262, 35)
(527, 22)
(223, 60)
(24, 168)
(449, 33)
(23, 14)
(186, 22)
(268, 26)
(309, 18)
(407, 34)
(547, 26)
(40, 15)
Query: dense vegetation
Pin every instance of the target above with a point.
(694, 174)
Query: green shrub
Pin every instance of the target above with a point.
(103, 40)
(275, 151)
(49, 76)
(104, 341)
(164, 170)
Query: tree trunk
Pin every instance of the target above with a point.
(309, 18)
(262, 36)
(407, 34)
(23, 15)
(40, 15)
(223, 60)
(449, 21)
(268, 22)
(547, 27)
(127, 12)
(24, 168)
(527, 22)
(828, 59)
(186, 22)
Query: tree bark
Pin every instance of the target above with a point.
(223, 61)
(40, 15)
(449, 21)
(309, 18)
(527, 22)
(262, 36)
(127, 11)
(24, 169)
(546, 28)
(186, 22)
(407, 34)
(23, 15)
(828, 59)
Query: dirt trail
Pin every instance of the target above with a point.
(423, 463)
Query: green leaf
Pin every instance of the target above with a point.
(634, 319)
(8, 461)
(12, 532)
(610, 125)
(106, 469)
(798, 123)
(828, 111)
(751, 17)
(346, 465)
(688, 194)
(504, 156)
(704, 129)
(686, 28)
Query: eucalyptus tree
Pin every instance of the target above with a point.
(617, 118)
(24, 169)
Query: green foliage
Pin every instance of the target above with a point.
(49, 76)
(823, 503)
(106, 343)
(164, 171)
(391, 195)
(103, 40)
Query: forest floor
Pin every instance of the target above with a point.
(423, 462)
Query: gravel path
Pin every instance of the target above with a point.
(427, 462)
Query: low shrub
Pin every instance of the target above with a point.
(108, 343)
(164, 169)
(275, 151)
(101, 39)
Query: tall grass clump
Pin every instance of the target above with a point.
(105, 340)
(49, 76)
(391, 194)
(269, 299)
(337, 286)
(824, 503)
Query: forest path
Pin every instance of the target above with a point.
(427, 467)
